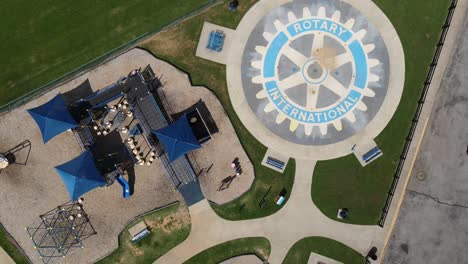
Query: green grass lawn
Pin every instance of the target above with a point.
(10, 248)
(169, 227)
(253, 245)
(178, 46)
(42, 40)
(300, 252)
(344, 182)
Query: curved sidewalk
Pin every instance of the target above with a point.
(5, 258)
(299, 218)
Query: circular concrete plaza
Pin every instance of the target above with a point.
(311, 78)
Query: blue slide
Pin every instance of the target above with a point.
(125, 186)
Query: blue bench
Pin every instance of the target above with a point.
(275, 163)
(371, 154)
(216, 40)
(140, 235)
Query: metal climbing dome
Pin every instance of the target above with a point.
(61, 231)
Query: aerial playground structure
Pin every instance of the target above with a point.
(123, 125)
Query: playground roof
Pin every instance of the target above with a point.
(177, 138)
(53, 118)
(80, 175)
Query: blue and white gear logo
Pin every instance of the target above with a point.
(317, 71)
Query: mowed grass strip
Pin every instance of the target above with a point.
(169, 227)
(42, 40)
(177, 46)
(300, 251)
(11, 249)
(253, 245)
(344, 182)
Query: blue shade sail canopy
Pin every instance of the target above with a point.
(177, 138)
(80, 175)
(53, 118)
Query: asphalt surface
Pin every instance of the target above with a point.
(433, 223)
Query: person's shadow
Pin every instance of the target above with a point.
(226, 182)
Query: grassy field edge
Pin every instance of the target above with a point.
(301, 250)
(258, 246)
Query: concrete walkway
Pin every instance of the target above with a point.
(299, 218)
(5, 258)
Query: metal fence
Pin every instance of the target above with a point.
(98, 61)
(417, 114)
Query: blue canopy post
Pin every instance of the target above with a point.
(80, 175)
(53, 118)
(177, 138)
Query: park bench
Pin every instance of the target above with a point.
(275, 163)
(371, 154)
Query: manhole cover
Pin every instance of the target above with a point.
(421, 176)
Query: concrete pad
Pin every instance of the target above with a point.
(203, 52)
(319, 259)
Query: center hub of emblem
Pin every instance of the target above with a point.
(313, 72)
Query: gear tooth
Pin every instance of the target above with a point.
(306, 13)
(257, 79)
(269, 107)
(291, 17)
(293, 126)
(337, 125)
(268, 36)
(349, 24)
(280, 118)
(361, 106)
(262, 94)
(321, 12)
(278, 25)
(373, 78)
(323, 129)
(261, 50)
(308, 129)
(256, 64)
(351, 117)
(373, 62)
(361, 34)
(368, 92)
(336, 16)
(369, 48)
